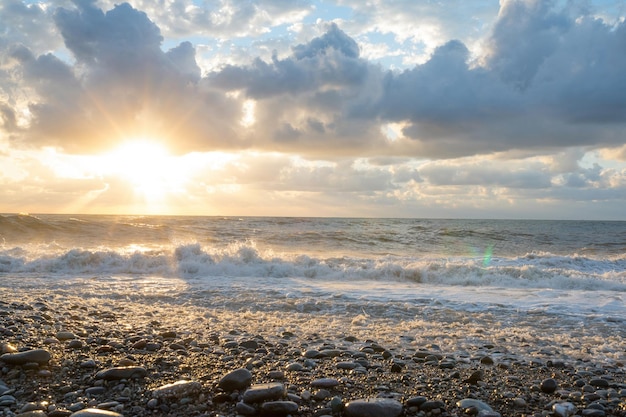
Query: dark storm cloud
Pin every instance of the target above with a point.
(551, 78)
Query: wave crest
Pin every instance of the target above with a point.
(243, 259)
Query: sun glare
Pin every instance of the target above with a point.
(147, 166)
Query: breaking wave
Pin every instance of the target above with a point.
(244, 260)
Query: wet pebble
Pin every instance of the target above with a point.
(7, 400)
(373, 407)
(33, 413)
(564, 409)
(178, 390)
(264, 392)
(548, 385)
(122, 372)
(39, 356)
(468, 403)
(95, 412)
(324, 383)
(235, 380)
(279, 408)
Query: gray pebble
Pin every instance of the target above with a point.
(40, 356)
(599, 383)
(95, 390)
(178, 389)
(279, 408)
(295, 367)
(324, 383)
(94, 412)
(245, 409)
(235, 380)
(373, 407)
(7, 400)
(591, 412)
(32, 413)
(548, 385)
(122, 372)
(64, 335)
(264, 392)
(564, 409)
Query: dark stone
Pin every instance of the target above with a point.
(249, 344)
(324, 383)
(236, 380)
(279, 408)
(264, 392)
(39, 356)
(486, 360)
(432, 405)
(599, 383)
(95, 412)
(475, 377)
(548, 385)
(416, 401)
(373, 407)
(122, 372)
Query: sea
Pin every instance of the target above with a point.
(534, 288)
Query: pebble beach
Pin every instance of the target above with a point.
(66, 355)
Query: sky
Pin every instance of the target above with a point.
(368, 108)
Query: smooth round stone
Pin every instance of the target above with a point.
(279, 408)
(178, 389)
(432, 405)
(7, 348)
(249, 344)
(312, 354)
(331, 353)
(95, 412)
(548, 385)
(95, 390)
(245, 409)
(519, 402)
(32, 413)
(264, 392)
(347, 365)
(373, 407)
(599, 383)
(324, 383)
(63, 335)
(486, 360)
(122, 372)
(485, 413)
(564, 409)
(75, 344)
(416, 401)
(89, 363)
(40, 356)
(276, 375)
(592, 412)
(295, 367)
(473, 403)
(7, 400)
(235, 380)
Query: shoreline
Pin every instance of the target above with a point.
(320, 371)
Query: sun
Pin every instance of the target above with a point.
(147, 166)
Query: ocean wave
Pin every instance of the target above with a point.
(243, 259)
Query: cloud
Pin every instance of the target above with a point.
(121, 85)
(221, 19)
(550, 78)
